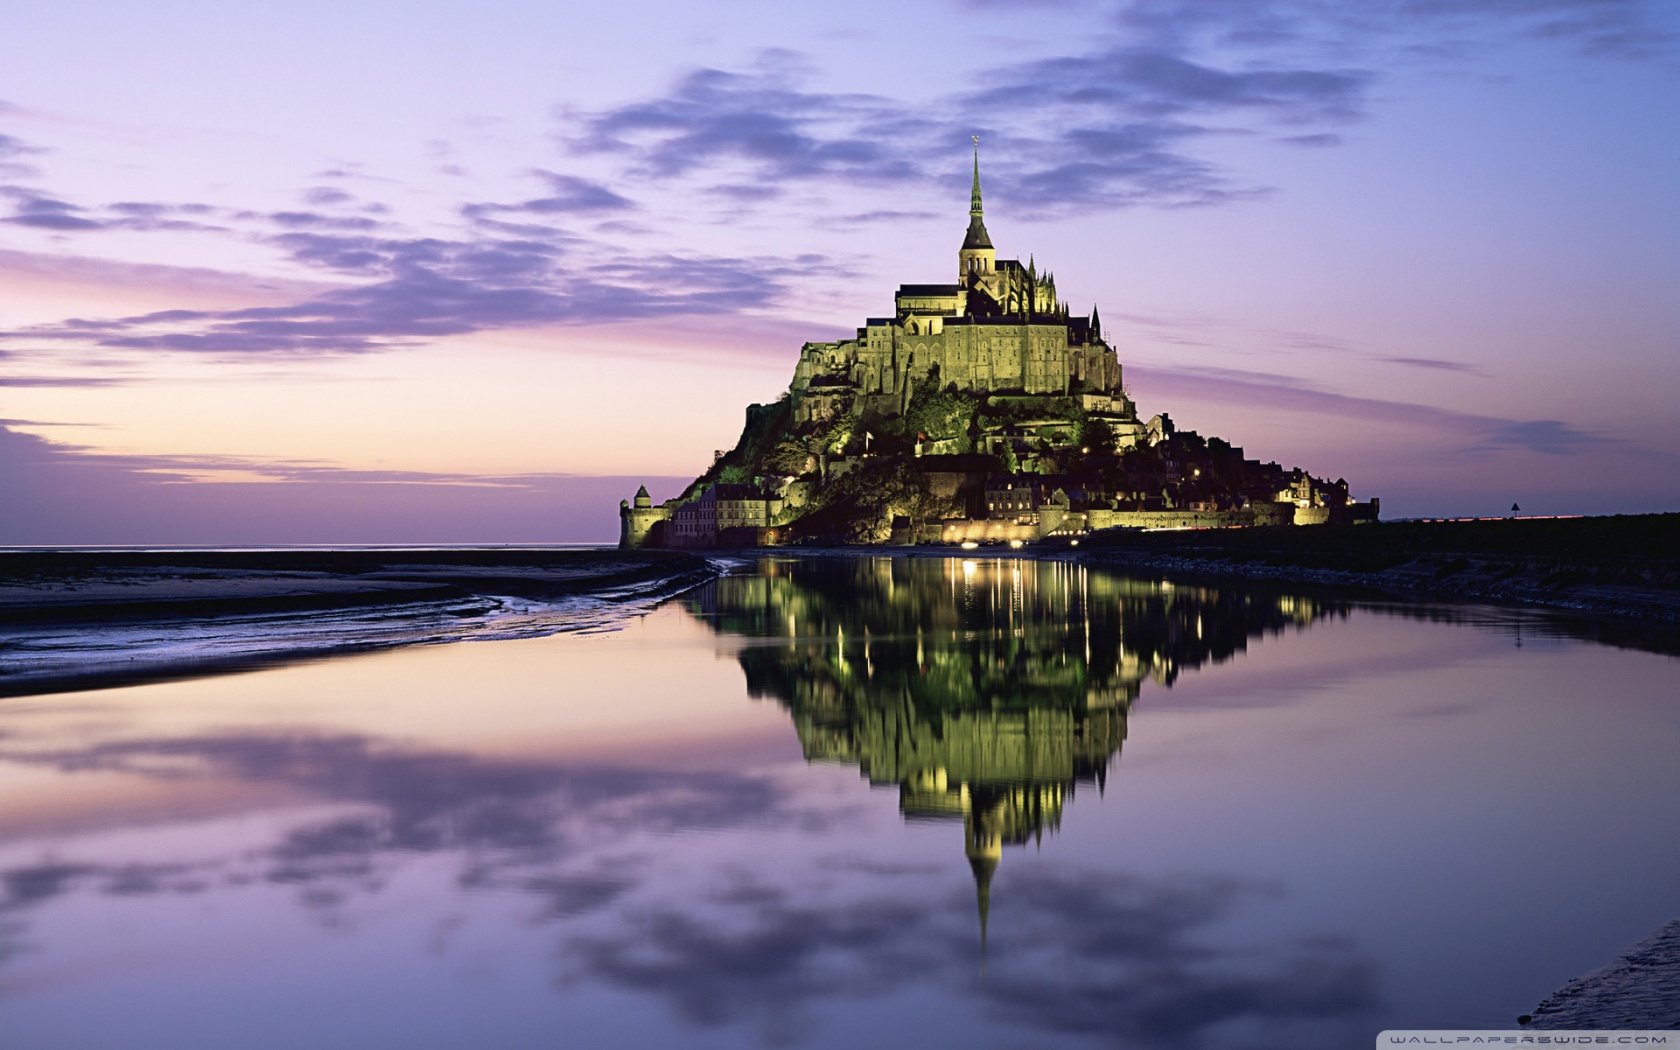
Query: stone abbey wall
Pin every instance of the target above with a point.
(1014, 355)
(999, 328)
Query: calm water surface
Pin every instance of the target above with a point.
(849, 802)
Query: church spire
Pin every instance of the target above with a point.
(977, 235)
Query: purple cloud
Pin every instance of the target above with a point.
(325, 196)
(764, 119)
(1611, 28)
(1284, 393)
(570, 194)
(11, 148)
(1107, 127)
(422, 288)
(34, 209)
(1436, 364)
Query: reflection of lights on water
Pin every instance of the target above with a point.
(969, 568)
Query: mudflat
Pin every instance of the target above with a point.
(81, 586)
(82, 619)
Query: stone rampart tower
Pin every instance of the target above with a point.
(638, 523)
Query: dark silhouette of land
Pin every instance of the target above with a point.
(1624, 566)
(84, 619)
(92, 586)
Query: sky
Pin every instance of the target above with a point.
(368, 272)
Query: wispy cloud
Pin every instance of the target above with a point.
(1548, 436)
(1234, 336)
(1109, 127)
(1475, 433)
(40, 210)
(1118, 123)
(867, 217)
(1435, 364)
(569, 196)
(430, 289)
(12, 149)
(36, 209)
(1625, 29)
(764, 118)
(58, 381)
(408, 289)
(1153, 82)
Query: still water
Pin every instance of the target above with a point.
(849, 802)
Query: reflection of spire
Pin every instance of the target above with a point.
(983, 869)
(994, 689)
(984, 849)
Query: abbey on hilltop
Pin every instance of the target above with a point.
(980, 411)
(999, 328)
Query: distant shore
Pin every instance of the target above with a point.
(1623, 569)
(75, 618)
(1623, 566)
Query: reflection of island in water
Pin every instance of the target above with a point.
(988, 690)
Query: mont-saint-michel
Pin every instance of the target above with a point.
(966, 699)
(979, 411)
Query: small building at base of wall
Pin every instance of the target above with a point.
(724, 515)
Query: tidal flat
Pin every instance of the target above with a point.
(70, 618)
(830, 801)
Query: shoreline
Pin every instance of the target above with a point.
(1620, 566)
(1608, 623)
(1619, 569)
(1425, 578)
(73, 620)
(1639, 989)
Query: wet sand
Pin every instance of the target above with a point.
(1640, 989)
(73, 619)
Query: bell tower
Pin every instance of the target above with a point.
(977, 258)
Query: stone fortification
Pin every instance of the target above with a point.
(999, 328)
(913, 431)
